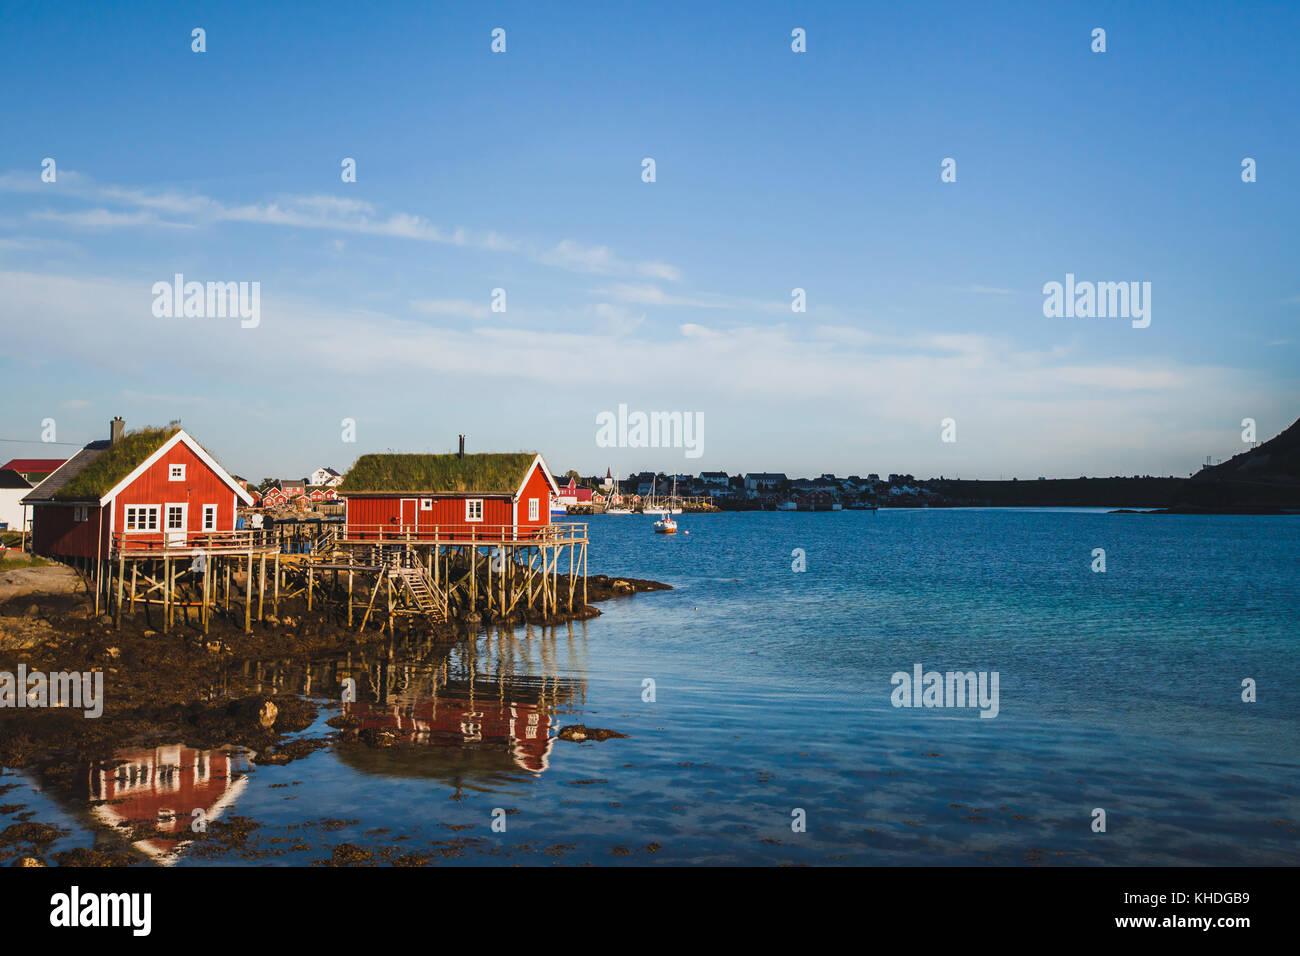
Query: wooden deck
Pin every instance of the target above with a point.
(557, 534)
(180, 544)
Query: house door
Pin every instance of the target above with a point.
(409, 514)
(175, 525)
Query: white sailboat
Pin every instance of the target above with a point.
(653, 507)
(616, 509)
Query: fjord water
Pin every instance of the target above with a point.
(772, 694)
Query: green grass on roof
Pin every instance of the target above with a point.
(102, 474)
(490, 473)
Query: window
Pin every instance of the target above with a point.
(141, 517)
(79, 513)
(474, 509)
(532, 509)
(209, 517)
(175, 472)
(426, 504)
(175, 517)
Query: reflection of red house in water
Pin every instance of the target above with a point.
(519, 728)
(165, 786)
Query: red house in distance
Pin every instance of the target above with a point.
(146, 490)
(427, 498)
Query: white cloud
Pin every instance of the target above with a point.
(312, 212)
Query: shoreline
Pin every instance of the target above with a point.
(163, 688)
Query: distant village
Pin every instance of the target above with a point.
(752, 491)
(318, 492)
(149, 470)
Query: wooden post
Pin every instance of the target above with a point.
(309, 581)
(121, 574)
(166, 608)
(261, 587)
(349, 588)
(248, 596)
(389, 585)
(135, 566)
(275, 589)
(205, 611)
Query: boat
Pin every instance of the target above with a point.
(619, 508)
(666, 525)
(651, 506)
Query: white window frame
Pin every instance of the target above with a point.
(167, 516)
(80, 513)
(209, 512)
(176, 471)
(472, 506)
(426, 504)
(177, 535)
(534, 509)
(151, 527)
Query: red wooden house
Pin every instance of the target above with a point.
(571, 494)
(273, 497)
(448, 497)
(135, 491)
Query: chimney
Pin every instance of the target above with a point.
(461, 453)
(116, 429)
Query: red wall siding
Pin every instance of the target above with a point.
(536, 487)
(202, 486)
(56, 533)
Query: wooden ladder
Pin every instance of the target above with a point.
(423, 592)
(325, 543)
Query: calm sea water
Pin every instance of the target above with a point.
(1120, 691)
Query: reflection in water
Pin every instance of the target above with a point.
(474, 715)
(164, 787)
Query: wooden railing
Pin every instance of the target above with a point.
(162, 543)
(556, 533)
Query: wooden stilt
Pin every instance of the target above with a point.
(121, 575)
(166, 608)
(248, 597)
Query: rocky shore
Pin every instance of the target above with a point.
(182, 686)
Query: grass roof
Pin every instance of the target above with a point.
(487, 473)
(101, 475)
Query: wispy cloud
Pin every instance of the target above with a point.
(333, 213)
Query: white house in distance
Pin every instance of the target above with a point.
(325, 478)
(13, 512)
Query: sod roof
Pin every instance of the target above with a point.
(102, 474)
(488, 474)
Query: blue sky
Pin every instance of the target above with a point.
(775, 170)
